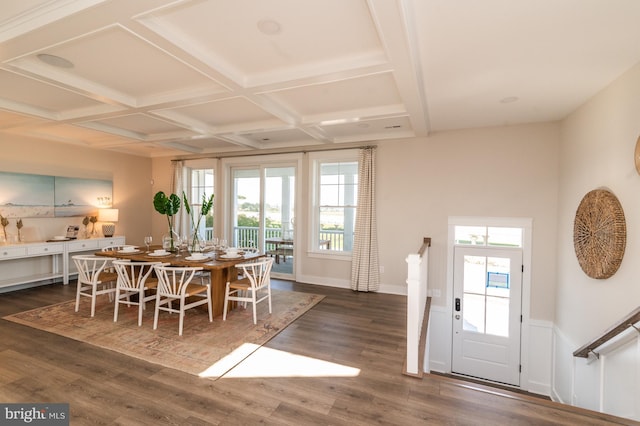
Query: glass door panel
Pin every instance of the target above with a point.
(279, 210)
(247, 211)
(264, 213)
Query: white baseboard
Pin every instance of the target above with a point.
(438, 367)
(328, 282)
(555, 397)
(538, 388)
(340, 283)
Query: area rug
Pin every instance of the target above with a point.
(207, 349)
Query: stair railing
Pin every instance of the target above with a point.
(628, 321)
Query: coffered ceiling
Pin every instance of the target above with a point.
(167, 77)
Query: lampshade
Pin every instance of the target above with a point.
(108, 217)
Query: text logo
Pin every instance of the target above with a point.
(34, 414)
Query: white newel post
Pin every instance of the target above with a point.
(417, 265)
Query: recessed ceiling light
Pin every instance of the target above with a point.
(269, 27)
(509, 100)
(55, 61)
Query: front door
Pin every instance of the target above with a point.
(487, 313)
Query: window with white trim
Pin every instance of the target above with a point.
(335, 197)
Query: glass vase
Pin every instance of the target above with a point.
(171, 241)
(196, 242)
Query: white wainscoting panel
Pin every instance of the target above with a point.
(439, 340)
(539, 358)
(586, 383)
(562, 378)
(621, 381)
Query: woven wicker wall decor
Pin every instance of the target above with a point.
(599, 234)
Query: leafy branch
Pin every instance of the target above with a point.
(4, 222)
(19, 225)
(207, 204)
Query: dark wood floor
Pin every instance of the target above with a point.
(357, 330)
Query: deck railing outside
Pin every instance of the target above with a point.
(247, 236)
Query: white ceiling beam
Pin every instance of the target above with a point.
(394, 21)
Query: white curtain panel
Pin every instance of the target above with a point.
(365, 269)
(181, 224)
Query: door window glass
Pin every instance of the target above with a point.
(486, 295)
(495, 236)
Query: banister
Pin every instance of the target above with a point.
(629, 321)
(426, 242)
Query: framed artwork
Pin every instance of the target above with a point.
(40, 196)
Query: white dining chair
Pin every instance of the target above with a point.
(175, 285)
(134, 278)
(93, 279)
(253, 287)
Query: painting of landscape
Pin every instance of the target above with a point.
(39, 196)
(24, 195)
(81, 197)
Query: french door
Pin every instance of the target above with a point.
(263, 212)
(487, 313)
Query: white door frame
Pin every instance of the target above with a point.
(526, 225)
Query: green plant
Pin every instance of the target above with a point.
(252, 222)
(207, 204)
(168, 206)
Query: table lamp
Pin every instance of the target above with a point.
(108, 217)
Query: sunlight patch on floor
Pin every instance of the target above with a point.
(267, 362)
(228, 362)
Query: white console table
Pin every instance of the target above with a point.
(31, 263)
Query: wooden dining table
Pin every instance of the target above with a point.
(220, 269)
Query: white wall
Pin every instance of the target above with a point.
(598, 142)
